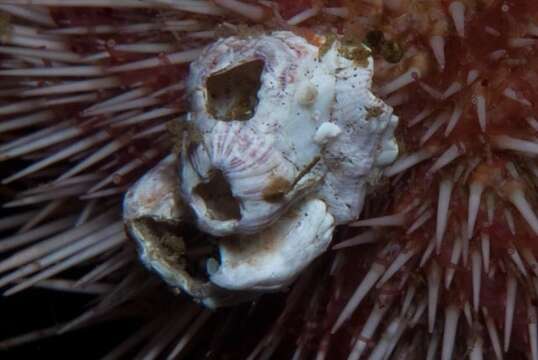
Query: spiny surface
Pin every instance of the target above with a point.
(447, 266)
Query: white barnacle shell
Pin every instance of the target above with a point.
(274, 257)
(152, 213)
(279, 147)
(155, 195)
(313, 127)
(249, 264)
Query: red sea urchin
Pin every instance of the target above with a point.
(447, 267)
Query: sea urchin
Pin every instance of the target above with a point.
(442, 263)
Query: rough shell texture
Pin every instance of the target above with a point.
(272, 259)
(315, 128)
(152, 212)
(265, 261)
(155, 195)
(280, 145)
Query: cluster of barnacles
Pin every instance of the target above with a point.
(279, 147)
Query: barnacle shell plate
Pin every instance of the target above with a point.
(312, 132)
(273, 258)
(152, 212)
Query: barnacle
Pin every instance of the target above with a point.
(285, 139)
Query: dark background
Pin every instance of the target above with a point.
(38, 309)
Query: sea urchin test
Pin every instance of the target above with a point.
(282, 142)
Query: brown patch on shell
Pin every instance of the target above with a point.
(357, 53)
(177, 130)
(277, 187)
(161, 242)
(328, 42)
(373, 112)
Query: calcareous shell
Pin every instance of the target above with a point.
(272, 258)
(314, 128)
(280, 146)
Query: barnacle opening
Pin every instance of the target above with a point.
(232, 94)
(181, 254)
(162, 242)
(218, 198)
